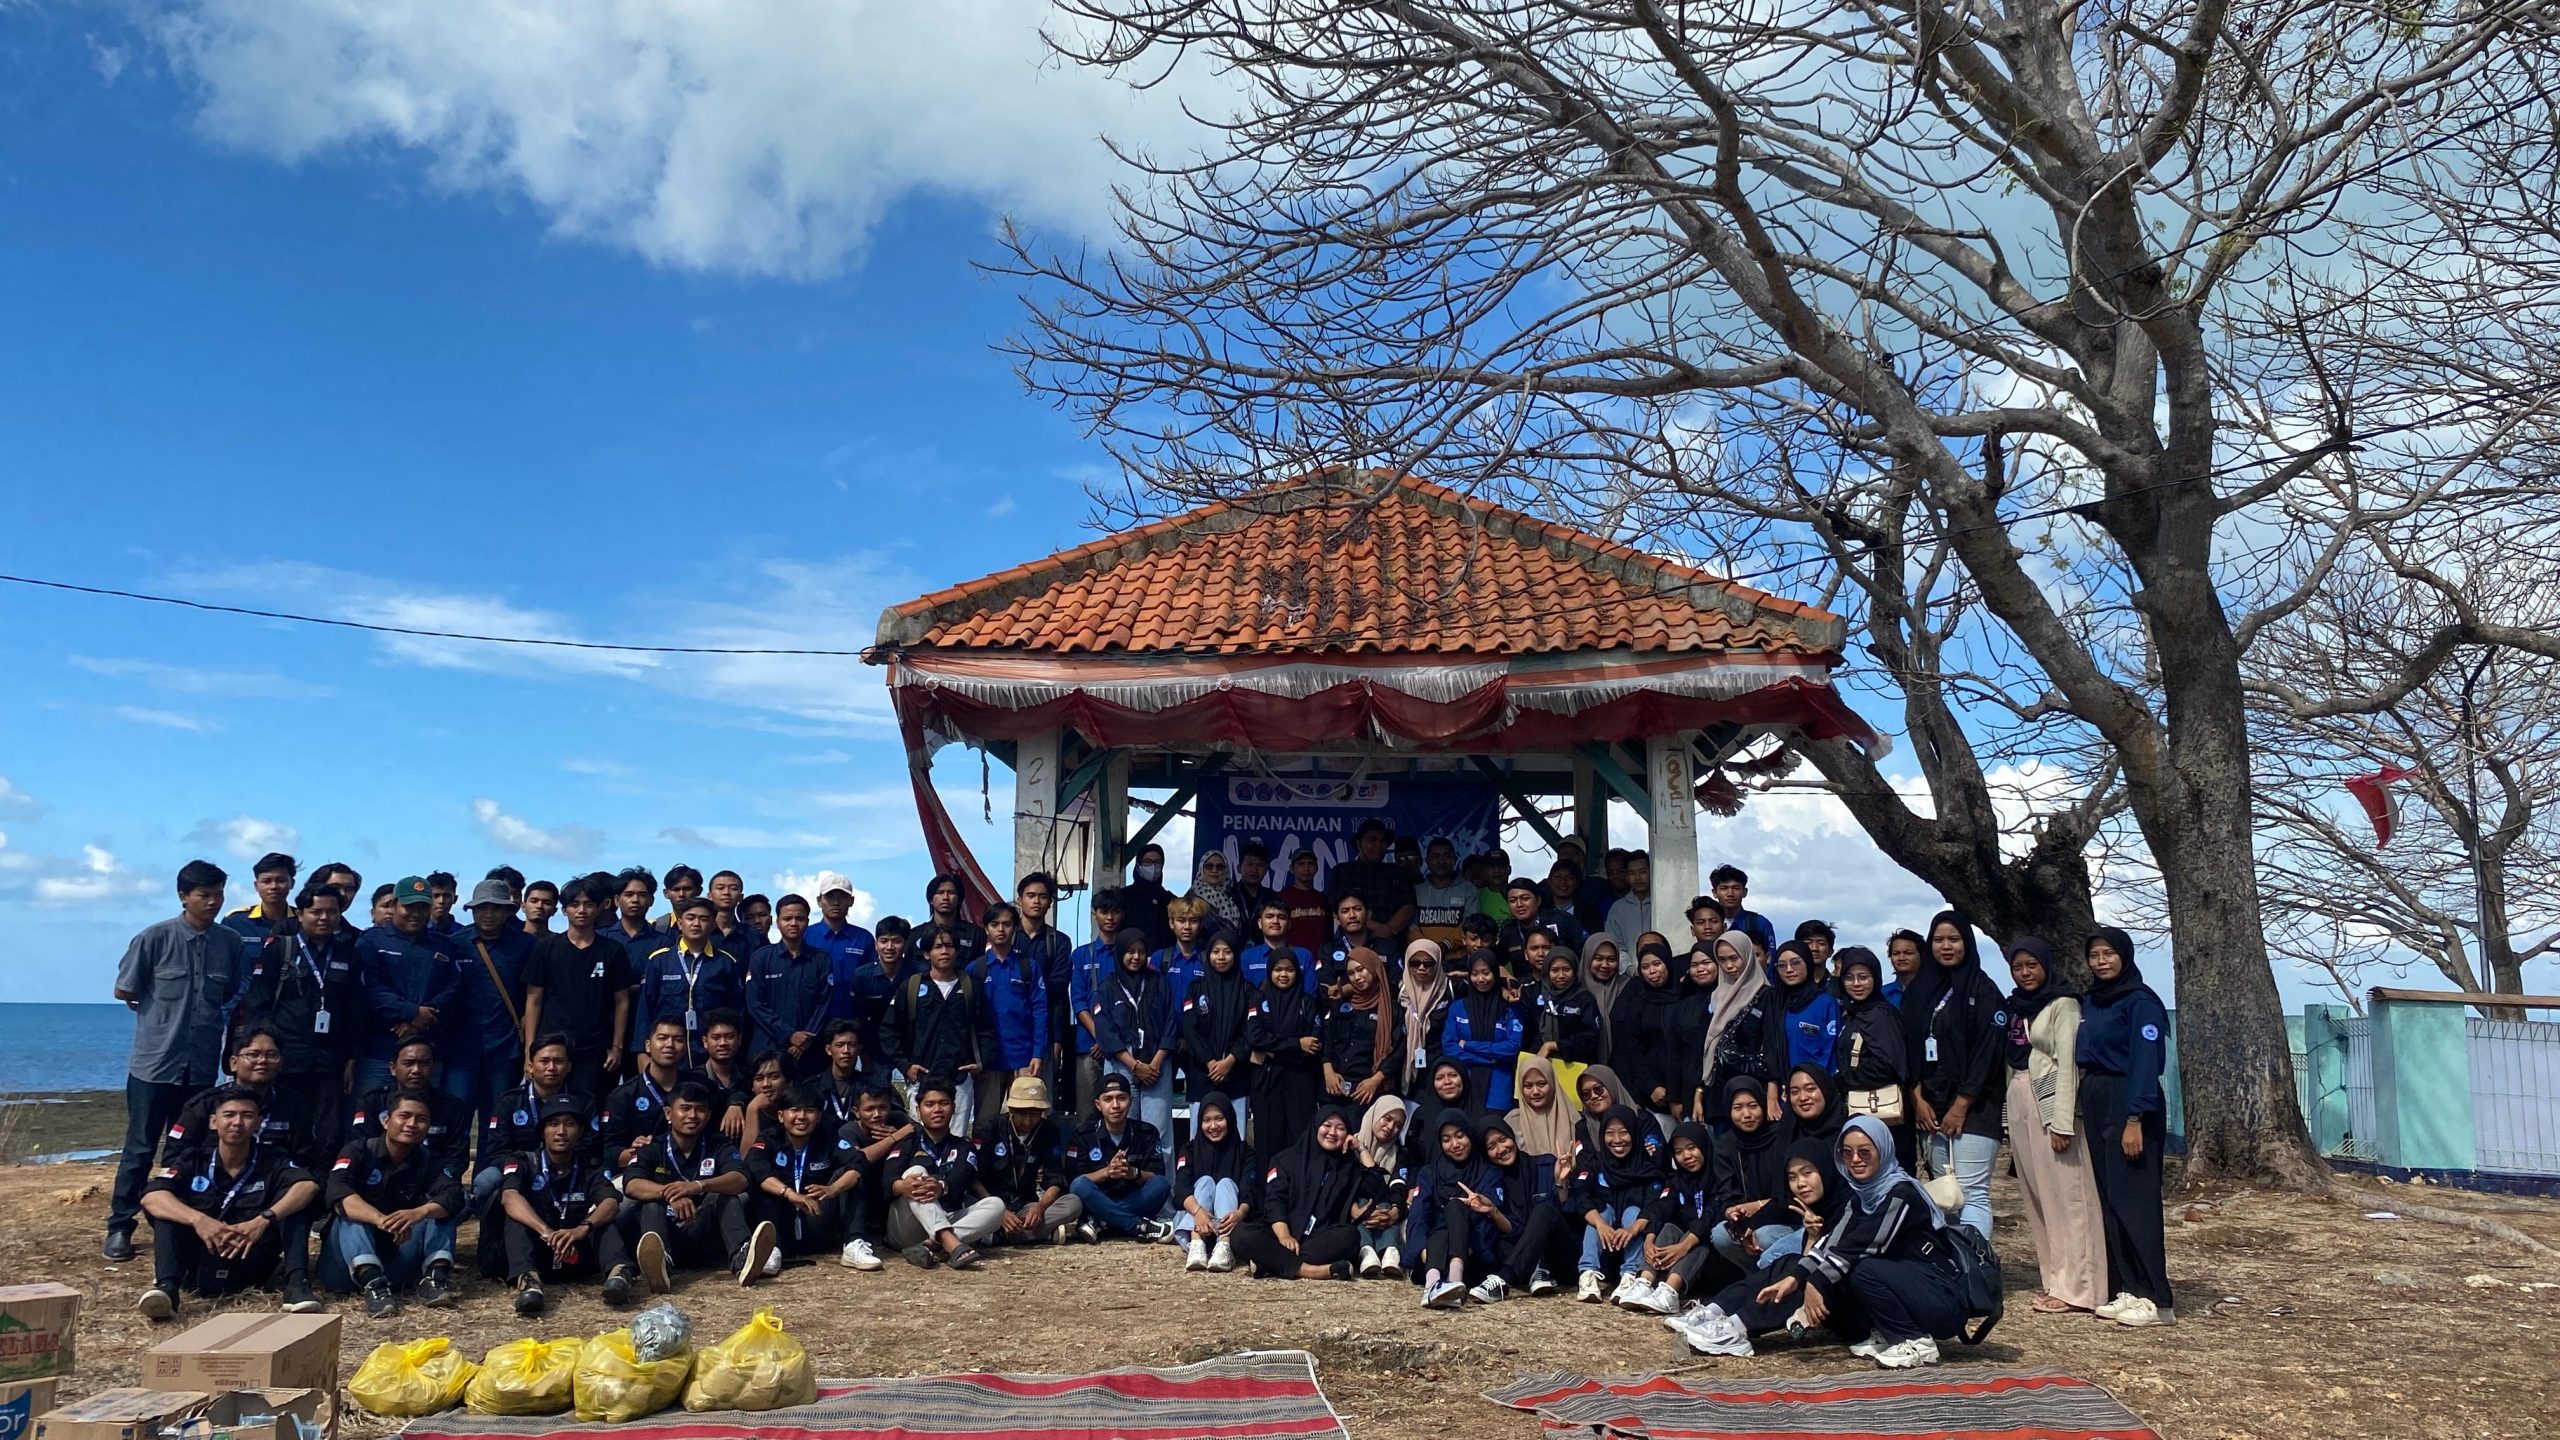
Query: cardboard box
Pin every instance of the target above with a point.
(137, 1414)
(20, 1403)
(249, 1351)
(39, 1325)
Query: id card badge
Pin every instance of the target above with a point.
(1929, 1051)
(692, 1027)
(320, 1022)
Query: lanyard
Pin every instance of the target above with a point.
(692, 972)
(311, 962)
(683, 1171)
(837, 1107)
(248, 1172)
(542, 1176)
(655, 1094)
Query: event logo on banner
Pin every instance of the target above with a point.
(1324, 812)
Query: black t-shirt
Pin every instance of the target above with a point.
(578, 987)
(638, 1107)
(563, 1197)
(448, 1124)
(193, 1129)
(195, 1175)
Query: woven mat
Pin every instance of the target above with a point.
(1962, 1403)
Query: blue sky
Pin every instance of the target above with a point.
(643, 327)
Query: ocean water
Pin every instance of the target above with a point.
(64, 1047)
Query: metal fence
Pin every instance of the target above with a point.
(2364, 1121)
(2515, 1094)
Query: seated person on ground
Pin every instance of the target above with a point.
(684, 1196)
(396, 1206)
(447, 1135)
(1115, 1162)
(938, 1211)
(554, 1217)
(515, 1122)
(1021, 1159)
(229, 1212)
(257, 1058)
(635, 1114)
(807, 1182)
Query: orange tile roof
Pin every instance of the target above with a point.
(1315, 567)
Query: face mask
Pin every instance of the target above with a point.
(1150, 872)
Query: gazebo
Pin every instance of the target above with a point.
(1359, 621)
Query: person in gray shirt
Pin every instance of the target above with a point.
(177, 978)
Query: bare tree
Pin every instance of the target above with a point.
(2471, 874)
(2058, 344)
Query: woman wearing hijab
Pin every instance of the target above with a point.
(1217, 1057)
(1811, 1011)
(1380, 1145)
(1422, 998)
(1601, 1091)
(1134, 1019)
(1745, 1035)
(1523, 1188)
(1563, 1020)
(1362, 1041)
(1816, 1198)
(1883, 1277)
(1312, 1198)
(1542, 1123)
(1613, 1189)
(1287, 1063)
(1607, 979)
(1444, 1090)
(2061, 1198)
(1749, 1167)
(2121, 1049)
(1482, 1033)
(1646, 1027)
(1868, 1055)
(1812, 1116)
(1810, 1106)
(1452, 1223)
(1214, 1178)
(1963, 1021)
(1689, 1020)
(1678, 1246)
(1211, 887)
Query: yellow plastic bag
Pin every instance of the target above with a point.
(759, 1368)
(614, 1383)
(525, 1377)
(407, 1381)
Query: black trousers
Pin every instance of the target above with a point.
(180, 1261)
(1258, 1245)
(527, 1255)
(1526, 1248)
(706, 1242)
(150, 1109)
(316, 1102)
(1284, 1109)
(840, 1218)
(2128, 1190)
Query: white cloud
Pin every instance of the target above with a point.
(349, 595)
(97, 877)
(518, 837)
(581, 765)
(821, 757)
(767, 138)
(246, 837)
(17, 804)
(164, 719)
(804, 883)
(1001, 508)
(187, 680)
(742, 837)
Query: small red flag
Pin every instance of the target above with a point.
(2373, 792)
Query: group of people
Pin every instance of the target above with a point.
(1406, 1073)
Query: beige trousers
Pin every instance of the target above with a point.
(2062, 1204)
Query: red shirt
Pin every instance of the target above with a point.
(1310, 919)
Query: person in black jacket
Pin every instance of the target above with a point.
(1288, 1062)
(448, 1134)
(805, 1179)
(1363, 1043)
(1679, 1246)
(1614, 1188)
(1118, 1172)
(635, 1114)
(938, 1024)
(938, 1212)
(685, 1194)
(396, 1207)
(306, 985)
(1565, 1019)
(1314, 1197)
(1816, 1198)
(1217, 1057)
(1748, 1169)
(1869, 1056)
(1022, 1160)
(1451, 1222)
(1522, 1187)
(1646, 1029)
(1212, 1185)
(1746, 1036)
(229, 1212)
(2122, 1050)
(1962, 1076)
(555, 1212)
(255, 1058)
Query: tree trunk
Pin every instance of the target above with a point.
(2243, 1117)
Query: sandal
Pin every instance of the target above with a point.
(2047, 1305)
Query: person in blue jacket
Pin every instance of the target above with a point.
(2123, 1048)
(685, 977)
(790, 988)
(1812, 1011)
(1017, 989)
(1271, 921)
(1181, 962)
(485, 1058)
(410, 983)
(1085, 968)
(1482, 1033)
(1134, 1023)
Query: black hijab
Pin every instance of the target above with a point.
(1835, 1191)
(1326, 1180)
(1804, 992)
(2108, 992)
(1856, 955)
(1448, 1174)
(1824, 1127)
(1639, 1170)
(1931, 982)
(1227, 995)
(1484, 1007)
(2023, 1006)
(1208, 1159)
(1750, 1140)
(1696, 1193)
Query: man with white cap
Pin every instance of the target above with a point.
(848, 947)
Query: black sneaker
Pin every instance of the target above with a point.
(1345, 1270)
(379, 1301)
(617, 1286)
(118, 1246)
(160, 1302)
(529, 1296)
(920, 1256)
(298, 1299)
(435, 1289)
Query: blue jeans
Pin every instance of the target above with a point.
(352, 1247)
(1775, 1240)
(1124, 1215)
(1154, 1104)
(371, 1075)
(1969, 1159)
(1592, 1254)
(1218, 1197)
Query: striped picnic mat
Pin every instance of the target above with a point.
(1259, 1393)
(1958, 1404)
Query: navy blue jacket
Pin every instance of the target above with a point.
(2128, 1038)
(1133, 1013)
(492, 1028)
(665, 995)
(1017, 991)
(787, 994)
(401, 974)
(864, 995)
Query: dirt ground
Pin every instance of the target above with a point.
(2298, 1318)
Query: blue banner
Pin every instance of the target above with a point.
(1324, 812)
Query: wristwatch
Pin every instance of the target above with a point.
(268, 1215)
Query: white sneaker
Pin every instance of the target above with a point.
(1541, 1283)
(1368, 1262)
(1222, 1256)
(1446, 1295)
(1658, 1299)
(1198, 1259)
(1908, 1354)
(1588, 1292)
(1689, 1319)
(1721, 1337)
(858, 1255)
(1491, 1290)
(773, 1264)
(1629, 1283)
(2115, 1307)
(2142, 1315)
(1866, 1349)
(1391, 1264)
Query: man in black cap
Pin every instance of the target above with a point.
(558, 1203)
(484, 1053)
(1118, 1172)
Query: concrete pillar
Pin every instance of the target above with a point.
(1111, 823)
(1036, 828)
(1671, 838)
(2422, 1086)
(1590, 810)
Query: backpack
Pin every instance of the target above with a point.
(1977, 1280)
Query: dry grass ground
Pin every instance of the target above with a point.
(2299, 1319)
